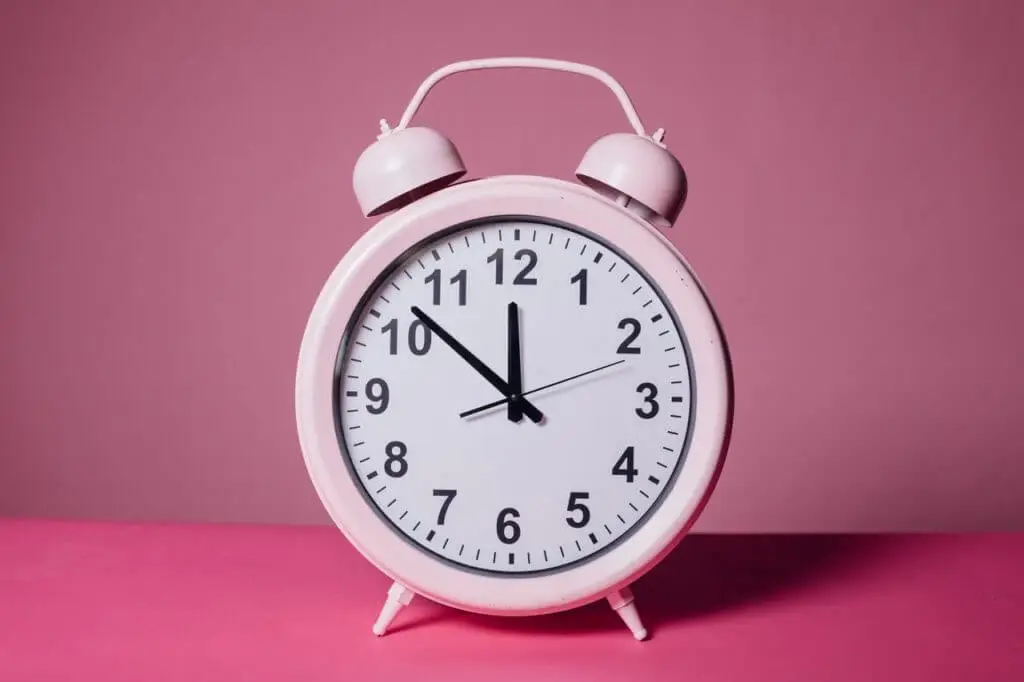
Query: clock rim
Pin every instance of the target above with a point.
(372, 536)
(510, 220)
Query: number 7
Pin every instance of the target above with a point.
(449, 495)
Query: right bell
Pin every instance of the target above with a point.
(637, 172)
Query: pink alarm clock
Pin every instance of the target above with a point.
(513, 395)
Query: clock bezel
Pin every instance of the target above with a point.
(390, 551)
(397, 266)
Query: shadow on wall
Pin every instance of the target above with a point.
(704, 575)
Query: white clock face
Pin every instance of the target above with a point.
(525, 308)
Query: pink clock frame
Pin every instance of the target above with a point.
(412, 569)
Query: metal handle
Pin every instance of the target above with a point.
(522, 63)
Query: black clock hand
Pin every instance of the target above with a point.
(486, 372)
(515, 368)
(488, 406)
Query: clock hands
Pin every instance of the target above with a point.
(515, 365)
(486, 372)
(488, 406)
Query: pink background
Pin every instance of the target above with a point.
(175, 188)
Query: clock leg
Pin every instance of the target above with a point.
(622, 603)
(398, 596)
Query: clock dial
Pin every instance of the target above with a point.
(600, 384)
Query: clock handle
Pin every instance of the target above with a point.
(523, 63)
(635, 170)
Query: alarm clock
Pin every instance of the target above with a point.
(513, 395)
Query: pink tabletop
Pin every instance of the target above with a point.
(81, 601)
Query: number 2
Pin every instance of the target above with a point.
(634, 325)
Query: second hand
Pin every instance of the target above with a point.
(488, 406)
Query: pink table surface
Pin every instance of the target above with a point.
(93, 601)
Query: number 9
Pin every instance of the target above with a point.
(377, 392)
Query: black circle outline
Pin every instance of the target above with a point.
(359, 312)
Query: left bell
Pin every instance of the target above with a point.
(402, 166)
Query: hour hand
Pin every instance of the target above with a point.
(486, 372)
(515, 366)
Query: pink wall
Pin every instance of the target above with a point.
(175, 187)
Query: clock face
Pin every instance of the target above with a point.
(602, 389)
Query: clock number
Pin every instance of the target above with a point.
(581, 279)
(508, 530)
(531, 262)
(498, 258)
(423, 345)
(575, 505)
(649, 401)
(448, 496)
(377, 392)
(460, 279)
(395, 466)
(419, 337)
(434, 278)
(391, 328)
(624, 347)
(624, 466)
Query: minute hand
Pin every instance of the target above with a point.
(488, 406)
(486, 372)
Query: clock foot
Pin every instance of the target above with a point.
(622, 603)
(398, 596)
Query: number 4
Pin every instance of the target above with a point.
(624, 466)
